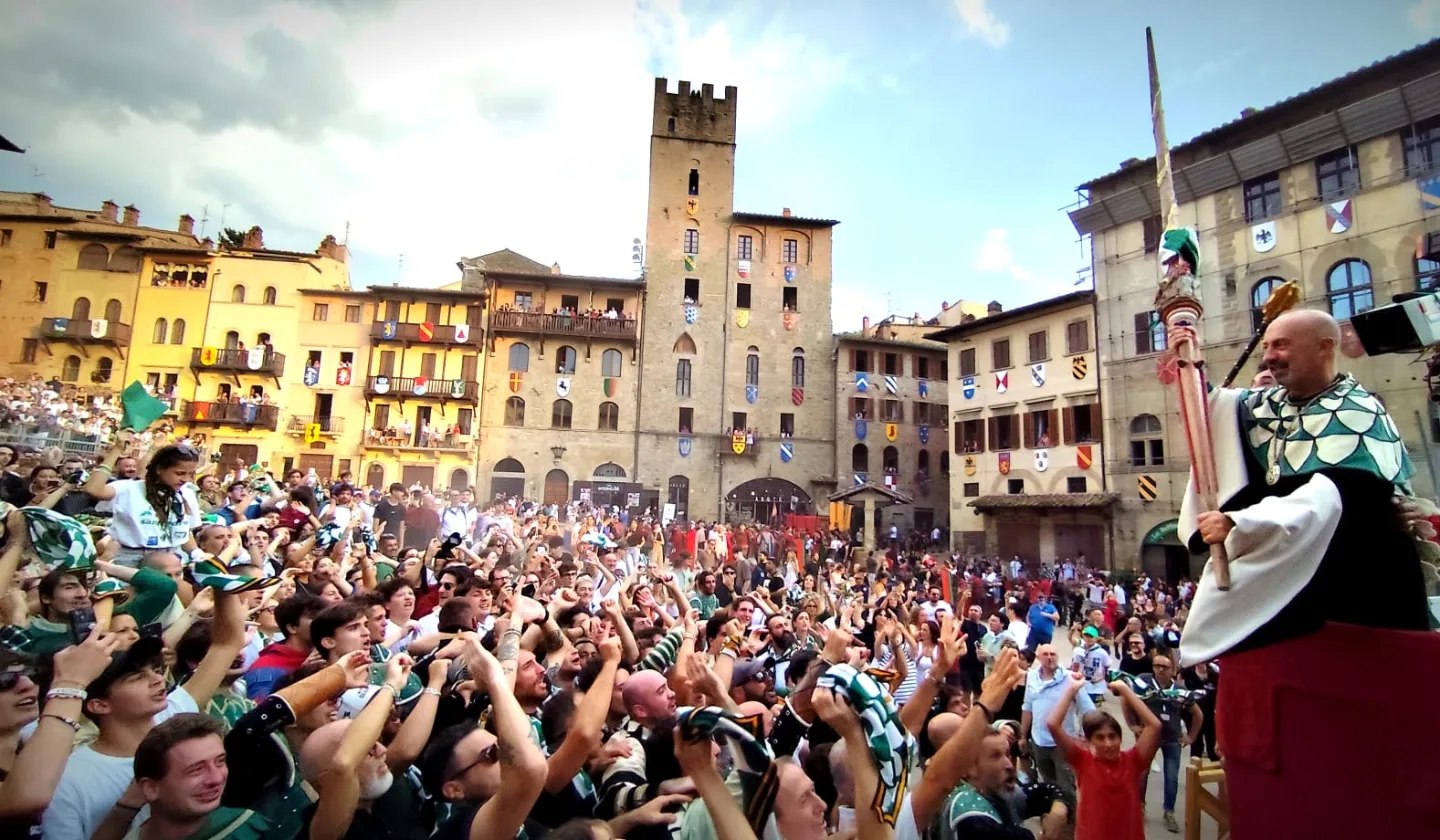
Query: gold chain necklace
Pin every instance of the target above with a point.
(1283, 430)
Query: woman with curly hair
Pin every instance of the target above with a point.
(150, 513)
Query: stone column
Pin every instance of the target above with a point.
(870, 521)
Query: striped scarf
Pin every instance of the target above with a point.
(890, 743)
(759, 775)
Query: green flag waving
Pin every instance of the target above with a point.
(139, 408)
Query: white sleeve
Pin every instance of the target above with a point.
(1275, 548)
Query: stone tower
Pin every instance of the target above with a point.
(732, 301)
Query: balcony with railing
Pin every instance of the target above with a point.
(329, 426)
(90, 331)
(420, 387)
(237, 415)
(741, 444)
(540, 323)
(450, 440)
(426, 333)
(253, 360)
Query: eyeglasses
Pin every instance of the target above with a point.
(10, 679)
(445, 584)
(489, 755)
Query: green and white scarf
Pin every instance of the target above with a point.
(759, 775)
(890, 742)
(1343, 426)
(56, 539)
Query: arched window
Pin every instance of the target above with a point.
(81, 310)
(1349, 289)
(692, 241)
(237, 294)
(177, 332)
(269, 296)
(860, 458)
(565, 359)
(890, 459)
(125, 259)
(560, 414)
(797, 367)
(104, 367)
(519, 358)
(70, 370)
(752, 366)
(610, 363)
(113, 311)
(944, 463)
(514, 412)
(162, 331)
(609, 469)
(459, 479)
(682, 378)
(684, 344)
(509, 465)
(232, 340)
(1147, 441)
(94, 257)
(609, 417)
(922, 462)
(678, 491)
(1259, 293)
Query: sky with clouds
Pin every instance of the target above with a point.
(946, 135)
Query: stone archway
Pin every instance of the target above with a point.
(767, 500)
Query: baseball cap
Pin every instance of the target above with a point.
(145, 652)
(745, 671)
(1091, 632)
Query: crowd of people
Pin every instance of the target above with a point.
(196, 649)
(43, 410)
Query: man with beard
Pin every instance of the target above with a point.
(775, 655)
(345, 762)
(752, 681)
(650, 708)
(972, 668)
(705, 600)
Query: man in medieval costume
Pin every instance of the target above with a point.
(1326, 580)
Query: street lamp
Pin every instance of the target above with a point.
(558, 450)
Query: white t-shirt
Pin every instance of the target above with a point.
(933, 611)
(93, 782)
(134, 523)
(1019, 631)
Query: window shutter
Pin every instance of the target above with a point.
(1052, 425)
(1142, 332)
(995, 432)
(1030, 429)
(1069, 416)
(955, 438)
(1095, 421)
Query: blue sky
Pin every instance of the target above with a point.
(946, 135)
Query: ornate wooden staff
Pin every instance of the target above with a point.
(1282, 300)
(1178, 303)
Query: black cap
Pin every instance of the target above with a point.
(146, 651)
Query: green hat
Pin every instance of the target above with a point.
(110, 588)
(1091, 632)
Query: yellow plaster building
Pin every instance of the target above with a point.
(1027, 473)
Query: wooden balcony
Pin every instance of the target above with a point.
(91, 331)
(407, 333)
(238, 361)
(235, 415)
(420, 388)
(539, 323)
(725, 445)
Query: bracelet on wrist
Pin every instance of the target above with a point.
(394, 692)
(989, 715)
(62, 693)
(432, 691)
(70, 722)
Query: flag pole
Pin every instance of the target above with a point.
(1178, 303)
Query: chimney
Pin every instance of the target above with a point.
(865, 325)
(132, 216)
(555, 268)
(944, 306)
(994, 308)
(254, 239)
(187, 225)
(109, 211)
(332, 249)
(785, 212)
(43, 202)
(1247, 112)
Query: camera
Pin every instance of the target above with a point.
(1409, 324)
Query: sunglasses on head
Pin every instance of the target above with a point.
(11, 678)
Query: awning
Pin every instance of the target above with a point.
(1163, 534)
(1046, 501)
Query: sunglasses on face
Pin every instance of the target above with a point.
(489, 755)
(10, 679)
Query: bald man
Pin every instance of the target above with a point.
(1308, 470)
(649, 707)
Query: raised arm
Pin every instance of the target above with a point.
(1056, 720)
(948, 651)
(696, 761)
(338, 785)
(1147, 741)
(522, 765)
(837, 713)
(227, 639)
(584, 734)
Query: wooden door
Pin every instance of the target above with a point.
(557, 487)
(424, 474)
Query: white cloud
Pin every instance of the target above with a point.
(1425, 14)
(995, 255)
(434, 129)
(982, 23)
